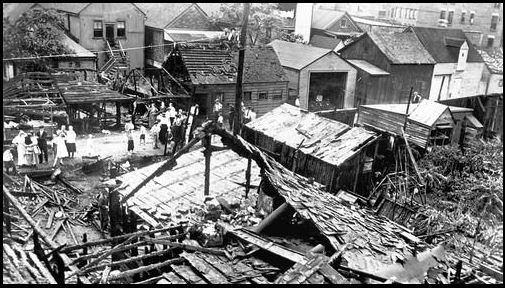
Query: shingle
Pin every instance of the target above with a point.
(433, 39)
(219, 66)
(401, 48)
(493, 59)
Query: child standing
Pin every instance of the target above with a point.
(129, 136)
(8, 159)
(142, 134)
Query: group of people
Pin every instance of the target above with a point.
(32, 148)
(167, 126)
(248, 114)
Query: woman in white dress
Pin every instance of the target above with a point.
(19, 141)
(32, 150)
(61, 149)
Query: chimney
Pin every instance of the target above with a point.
(303, 20)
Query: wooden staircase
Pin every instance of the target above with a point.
(118, 61)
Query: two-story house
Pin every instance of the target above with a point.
(459, 67)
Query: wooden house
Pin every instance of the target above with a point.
(428, 123)
(169, 23)
(314, 72)
(458, 66)
(210, 73)
(389, 64)
(493, 72)
(333, 153)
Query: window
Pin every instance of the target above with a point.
(121, 29)
(392, 12)
(442, 14)
(405, 14)
(497, 5)
(277, 95)
(490, 41)
(77, 64)
(247, 96)
(98, 29)
(220, 96)
(463, 14)
(400, 14)
(382, 14)
(500, 83)
(415, 14)
(472, 16)
(449, 17)
(494, 22)
(343, 23)
(263, 95)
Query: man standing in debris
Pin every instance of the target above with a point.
(231, 115)
(155, 130)
(217, 108)
(103, 208)
(42, 143)
(8, 159)
(71, 137)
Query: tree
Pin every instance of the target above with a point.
(264, 21)
(35, 33)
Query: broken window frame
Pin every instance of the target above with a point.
(121, 34)
(98, 30)
(261, 97)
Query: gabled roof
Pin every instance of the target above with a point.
(323, 19)
(401, 48)
(435, 40)
(296, 55)
(328, 140)
(493, 58)
(160, 15)
(218, 66)
(324, 42)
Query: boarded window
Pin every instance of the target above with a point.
(98, 29)
(494, 22)
(263, 95)
(247, 96)
(121, 29)
(277, 95)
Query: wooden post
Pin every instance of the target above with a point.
(240, 72)
(248, 177)
(118, 114)
(358, 168)
(207, 153)
(408, 106)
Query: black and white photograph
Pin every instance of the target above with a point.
(252, 143)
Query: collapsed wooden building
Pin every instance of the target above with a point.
(333, 153)
(426, 124)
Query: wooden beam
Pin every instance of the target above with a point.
(412, 158)
(132, 272)
(40, 232)
(207, 153)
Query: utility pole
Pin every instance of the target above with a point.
(241, 54)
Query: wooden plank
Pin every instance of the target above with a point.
(173, 278)
(210, 273)
(187, 274)
(50, 219)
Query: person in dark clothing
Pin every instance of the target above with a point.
(42, 143)
(177, 131)
(163, 135)
(231, 116)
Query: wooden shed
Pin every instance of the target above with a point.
(333, 153)
(428, 123)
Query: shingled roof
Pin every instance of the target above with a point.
(493, 58)
(435, 41)
(328, 140)
(219, 66)
(324, 42)
(401, 48)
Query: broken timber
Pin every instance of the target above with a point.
(42, 234)
(268, 245)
